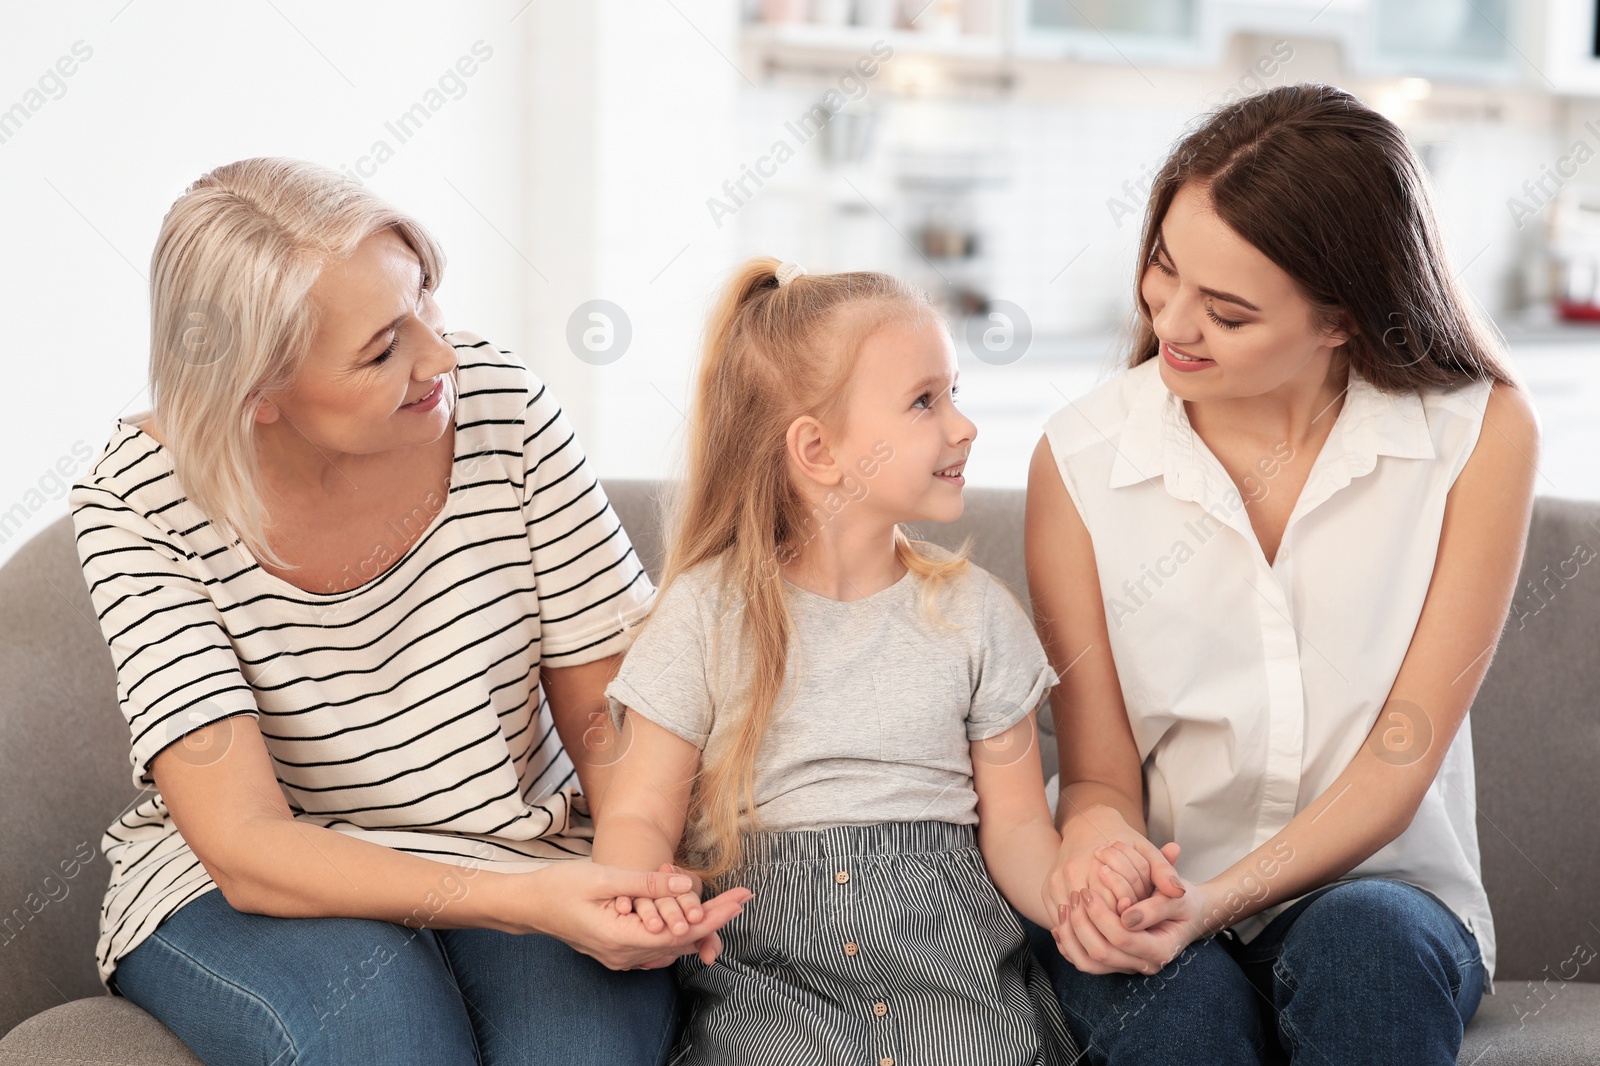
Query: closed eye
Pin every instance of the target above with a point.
(387, 352)
(394, 342)
(1225, 323)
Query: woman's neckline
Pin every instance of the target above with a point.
(376, 579)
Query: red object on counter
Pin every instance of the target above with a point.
(1578, 312)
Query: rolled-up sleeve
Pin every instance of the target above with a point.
(591, 584)
(665, 676)
(176, 667)
(1014, 673)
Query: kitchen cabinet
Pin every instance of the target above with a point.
(1562, 372)
(1479, 42)
(1135, 31)
(1456, 40)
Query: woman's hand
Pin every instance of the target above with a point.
(1142, 939)
(1104, 856)
(677, 911)
(578, 906)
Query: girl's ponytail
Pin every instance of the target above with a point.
(772, 354)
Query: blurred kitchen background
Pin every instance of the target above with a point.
(595, 167)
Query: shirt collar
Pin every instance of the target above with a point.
(1157, 439)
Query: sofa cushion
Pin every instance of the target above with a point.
(1536, 742)
(98, 1030)
(64, 768)
(1560, 1029)
(1556, 1028)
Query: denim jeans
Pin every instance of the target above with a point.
(1365, 971)
(249, 988)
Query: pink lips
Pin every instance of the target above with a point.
(427, 401)
(1178, 364)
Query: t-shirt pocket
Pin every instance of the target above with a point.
(922, 711)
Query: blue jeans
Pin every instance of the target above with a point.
(1366, 971)
(249, 988)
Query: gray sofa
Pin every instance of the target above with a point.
(64, 777)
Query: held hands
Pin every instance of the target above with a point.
(1141, 937)
(1157, 928)
(677, 912)
(1120, 904)
(582, 911)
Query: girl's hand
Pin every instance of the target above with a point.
(1143, 939)
(1126, 872)
(1102, 855)
(676, 912)
(577, 905)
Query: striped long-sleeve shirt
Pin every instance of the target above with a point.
(404, 709)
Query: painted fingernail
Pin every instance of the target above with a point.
(1131, 919)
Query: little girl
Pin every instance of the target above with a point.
(833, 715)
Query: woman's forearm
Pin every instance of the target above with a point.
(1078, 800)
(576, 695)
(1359, 814)
(291, 869)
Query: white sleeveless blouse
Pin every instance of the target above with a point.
(1251, 687)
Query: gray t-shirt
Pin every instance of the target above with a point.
(887, 704)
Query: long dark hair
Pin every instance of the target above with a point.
(1331, 192)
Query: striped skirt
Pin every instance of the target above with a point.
(884, 943)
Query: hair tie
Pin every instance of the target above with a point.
(788, 271)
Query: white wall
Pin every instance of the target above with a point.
(631, 130)
(572, 165)
(172, 89)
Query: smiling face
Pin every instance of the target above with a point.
(378, 348)
(1215, 297)
(900, 409)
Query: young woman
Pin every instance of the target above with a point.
(1270, 561)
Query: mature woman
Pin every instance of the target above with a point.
(1271, 560)
(363, 596)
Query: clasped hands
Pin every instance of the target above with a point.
(679, 911)
(1121, 905)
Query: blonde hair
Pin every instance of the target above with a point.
(772, 354)
(231, 319)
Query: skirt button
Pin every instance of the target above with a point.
(841, 877)
(850, 948)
